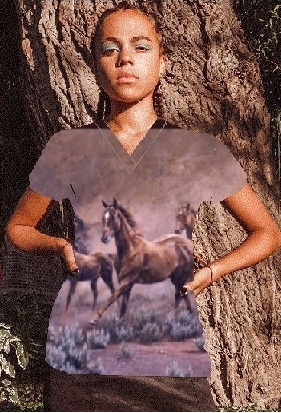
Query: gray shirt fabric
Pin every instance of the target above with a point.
(170, 167)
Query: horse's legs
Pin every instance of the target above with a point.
(177, 298)
(188, 230)
(125, 300)
(179, 277)
(175, 279)
(128, 280)
(122, 288)
(94, 290)
(71, 291)
(106, 275)
(190, 301)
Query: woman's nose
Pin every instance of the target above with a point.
(125, 57)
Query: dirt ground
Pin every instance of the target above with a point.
(142, 359)
(162, 354)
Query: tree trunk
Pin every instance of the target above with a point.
(212, 84)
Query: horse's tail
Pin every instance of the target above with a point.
(181, 239)
(186, 253)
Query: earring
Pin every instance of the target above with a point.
(159, 97)
(159, 90)
(104, 106)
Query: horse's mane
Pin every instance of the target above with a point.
(128, 216)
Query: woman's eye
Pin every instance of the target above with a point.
(143, 47)
(108, 49)
(111, 48)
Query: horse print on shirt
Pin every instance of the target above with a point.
(138, 311)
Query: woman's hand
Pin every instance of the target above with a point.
(264, 238)
(202, 280)
(69, 257)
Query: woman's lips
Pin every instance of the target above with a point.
(127, 79)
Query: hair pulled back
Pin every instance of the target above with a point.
(103, 109)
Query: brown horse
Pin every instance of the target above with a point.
(140, 261)
(91, 267)
(185, 220)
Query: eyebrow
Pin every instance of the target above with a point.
(134, 39)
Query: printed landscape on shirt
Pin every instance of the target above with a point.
(134, 216)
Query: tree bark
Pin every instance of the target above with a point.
(212, 84)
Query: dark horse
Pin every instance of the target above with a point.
(91, 267)
(140, 261)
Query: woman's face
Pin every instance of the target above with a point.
(129, 61)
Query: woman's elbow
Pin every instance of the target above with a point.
(9, 232)
(274, 235)
(13, 235)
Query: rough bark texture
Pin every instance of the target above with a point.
(212, 84)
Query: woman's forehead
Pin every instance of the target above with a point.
(127, 23)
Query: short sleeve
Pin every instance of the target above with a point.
(47, 175)
(227, 175)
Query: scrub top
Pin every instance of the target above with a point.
(134, 216)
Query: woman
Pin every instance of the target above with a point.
(131, 165)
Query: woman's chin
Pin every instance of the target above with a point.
(125, 101)
(128, 99)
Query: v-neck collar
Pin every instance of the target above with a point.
(130, 162)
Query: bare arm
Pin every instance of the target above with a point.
(22, 233)
(264, 239)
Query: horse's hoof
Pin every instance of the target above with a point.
(93, 322)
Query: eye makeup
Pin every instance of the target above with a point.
(139, 42)
(109, 48)
(143, 46)
(112, 47)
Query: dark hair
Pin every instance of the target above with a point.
(125, 5)
(103, 109)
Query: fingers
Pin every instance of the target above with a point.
(75, 273)
(70, 259)
(202, 279)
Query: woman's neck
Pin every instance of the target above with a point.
(133, 118)
(130, 124)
